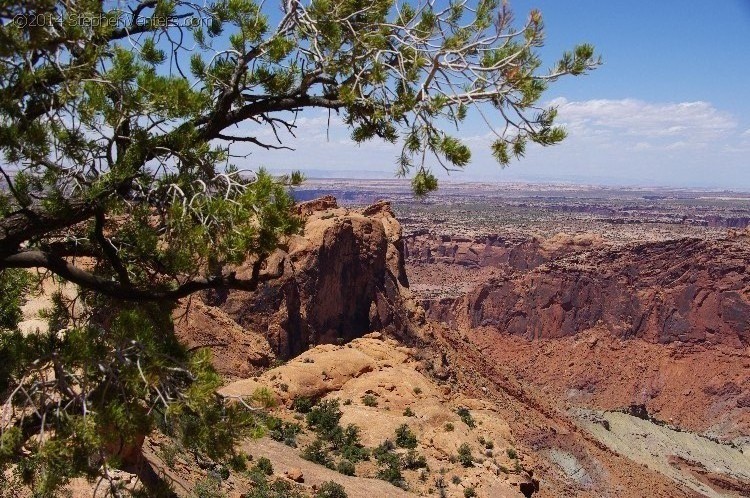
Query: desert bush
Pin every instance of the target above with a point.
(369, 400)
(265, 397)
(264, 466)
(281, 431)
(346, 467)
(317, 452)
(238, 462)
(302, 404)
(413, 460)
(208, 487)
(324, 417)
(405, 438)
(464, 455)
(466, 417)
(331, 489)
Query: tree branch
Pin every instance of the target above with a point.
(118, 290)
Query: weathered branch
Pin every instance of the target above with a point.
(119, 290)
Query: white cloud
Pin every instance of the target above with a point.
(632, 122)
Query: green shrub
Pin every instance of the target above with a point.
(413, 460)
(168, 453)
(466, 417)
(417, 391)
(331, 489)
(350, 446)
(449, 427)
(389, 469)
(346, 467)
(318, 453)
(512, 453)
(405, 438)
(265, 397)
(264, 466)
(408, 412)
(281, 431)
(464, 455)
(456, 480)
(238, 462)
(14, 286)
(208, 488)
(324, 417)
(469, 493)
(302, 404)
(369, 400)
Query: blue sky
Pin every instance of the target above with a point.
(670, 106)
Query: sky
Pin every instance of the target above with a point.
(669, 107)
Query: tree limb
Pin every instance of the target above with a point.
(118, 290)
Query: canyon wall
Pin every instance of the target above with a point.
(687, 290)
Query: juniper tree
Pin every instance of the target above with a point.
(118, 122)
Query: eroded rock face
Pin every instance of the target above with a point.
(344, 277)
(236, 351)
(685, 290)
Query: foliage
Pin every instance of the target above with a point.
(138, 360)
(405, 438)
(208, 488)
(469, 492)
(302, 404)
(346, 467)
(349, 445)
(389, 464)
(369, 400)
(324, 417)
(413, 460)
(466, 417)
(264, 466)
(14, 285)
(512, 454)
(265, 397)
(317, 452)
(238, 462)
(331, 489)
(464, 455)
(281, 431)
(117, 133)
(408, 412)
(278, 488)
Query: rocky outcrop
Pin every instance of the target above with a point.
(687, 290)
(236, 351)
(342, 278)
